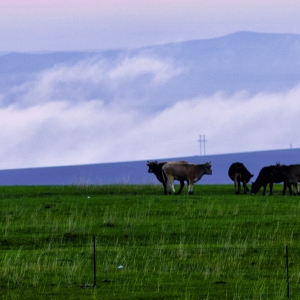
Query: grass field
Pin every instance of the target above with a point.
(210, 245)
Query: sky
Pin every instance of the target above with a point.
(51, 126)
(52, 25)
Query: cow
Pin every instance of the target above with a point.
(156, 168)
(290, 173)
(184, 171)
(266, 177)
(239, 173)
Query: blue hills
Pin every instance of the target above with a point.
(135, 172)
(242, 61)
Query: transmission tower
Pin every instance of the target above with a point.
(202, 140)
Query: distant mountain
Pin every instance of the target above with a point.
(135, 172)
(243, 61)
(253, 62)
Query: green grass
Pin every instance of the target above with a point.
(210, 245)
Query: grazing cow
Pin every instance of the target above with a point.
(266, 177)
(290, 173)
(184, 171)
(238, 173)
(156, 168)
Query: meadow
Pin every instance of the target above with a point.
(210, 245)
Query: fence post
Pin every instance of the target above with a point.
(287, 271)
(94, 261)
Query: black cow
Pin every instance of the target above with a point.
(266, 176)
(238, 173)
(156, 168)
(290, 173)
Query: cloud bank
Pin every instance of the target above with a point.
(96, 111)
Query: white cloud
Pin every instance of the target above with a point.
(66, 133)
(126, 79)
(63, 82)
(230, 125)
(61, 133)
(131, 68)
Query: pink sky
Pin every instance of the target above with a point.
(35, 25)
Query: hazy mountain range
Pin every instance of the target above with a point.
(79, 108)
(243, 61)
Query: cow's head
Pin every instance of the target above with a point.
(254, 188)
(247, 177)
(152, 165)
(245, 174)
(208, 169)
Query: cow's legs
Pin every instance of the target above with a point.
(181, 186)
(190, 191)
(296, 188)
(236, 184)
(290, 189)
(238, 187)
(173, 188)
(170, 184)
(289, 185)
(245, 187)
(165, 188)
(265, 187)
(284, 188)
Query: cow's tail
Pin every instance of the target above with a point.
(164, 176)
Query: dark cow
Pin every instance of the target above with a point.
(238, 173)
(266, 177)
(290, 173)
(185, 171)
(156, 168)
